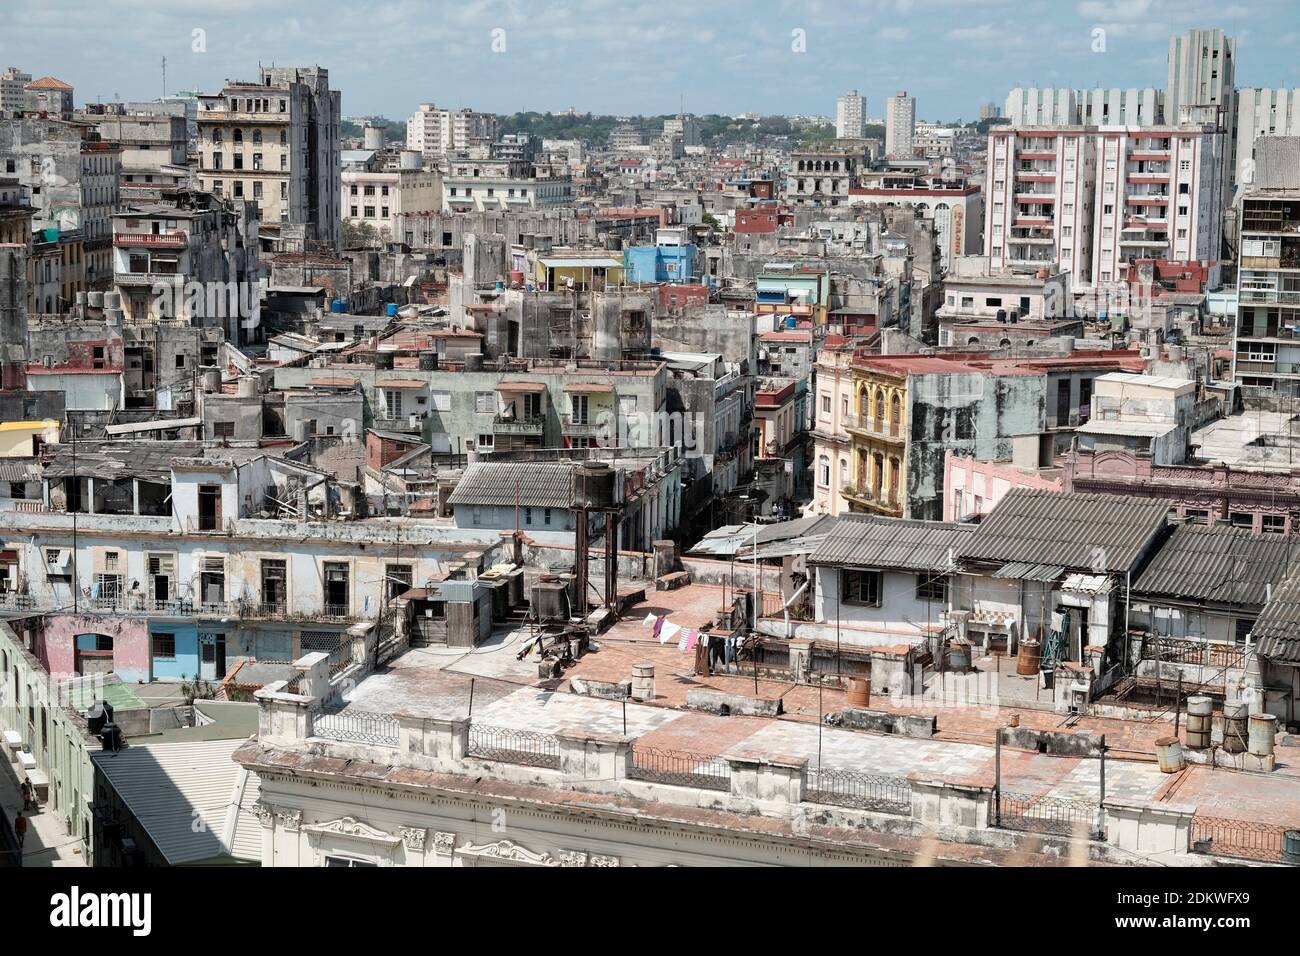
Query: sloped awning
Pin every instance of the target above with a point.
(1028, 571)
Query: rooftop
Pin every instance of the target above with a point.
(1094, 532)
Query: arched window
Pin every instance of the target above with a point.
(824, 471)
(880, 409)
(216, 137)
(239, 136)
(895, 415)
(973, 340)
(1004, 343)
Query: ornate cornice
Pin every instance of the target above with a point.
(352, 828)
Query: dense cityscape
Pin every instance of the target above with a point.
(564, 488)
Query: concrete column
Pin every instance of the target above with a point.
(937, 803)
(282, 718)
(588, 756)
(315, 681)
(1148, 828)
(446, 739)
(773, 779)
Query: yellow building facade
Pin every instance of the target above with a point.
(877, 429)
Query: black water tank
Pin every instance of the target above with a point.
(99, 714)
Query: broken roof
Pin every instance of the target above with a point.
(1100, 533)
(1220, 565)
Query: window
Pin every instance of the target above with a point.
(1197, 516)
(223, 429)
(164, 647)
(930, 588)
(824, 471)
(1243, 519)
(826, 402)
(860, 587)
(346, 861)
(1274, 524)
(397, 580)
(275, 581)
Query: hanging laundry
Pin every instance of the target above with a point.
(659, 626)
(669, 632)
(649, 621)
(691, 638)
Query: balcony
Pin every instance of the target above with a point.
(580, 428)
(862, 497)
(868, 426)
(168, 240)
(149, 279)
(403, 425)
(515, 425)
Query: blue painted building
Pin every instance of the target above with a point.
(671, 259)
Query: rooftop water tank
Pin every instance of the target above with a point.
(390, 310)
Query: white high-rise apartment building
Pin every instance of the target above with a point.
(435, 132)
(1096, 107)
(850, 115)
(13, 86)
(900, 121)
(1092, 199)
(1263, 113)
(1202, 72)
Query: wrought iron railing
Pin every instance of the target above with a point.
(680, 768)
(509, 745)
(357, 727)
(860, 791)
(1023, 811)
(341, 658)
(1239, 839)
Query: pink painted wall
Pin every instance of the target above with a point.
(990, 480)
(57, 643)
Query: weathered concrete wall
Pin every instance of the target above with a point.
(130, 643)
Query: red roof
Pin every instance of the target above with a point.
(48, 83)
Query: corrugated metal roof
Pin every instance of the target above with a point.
(1093, 532)
(1029, 571)
(1220, 565)
(533, 484)
(891, 543)
(168, 787)
(1277, 630)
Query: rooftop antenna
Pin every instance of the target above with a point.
(164, 77)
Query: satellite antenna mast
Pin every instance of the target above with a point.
(164, 77)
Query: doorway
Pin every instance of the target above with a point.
(212, 655)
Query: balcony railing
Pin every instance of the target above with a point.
(401, 425)
(167, 240)
(515, 425)
(582, 428)
(878, 427)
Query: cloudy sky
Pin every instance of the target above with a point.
(640, 56)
